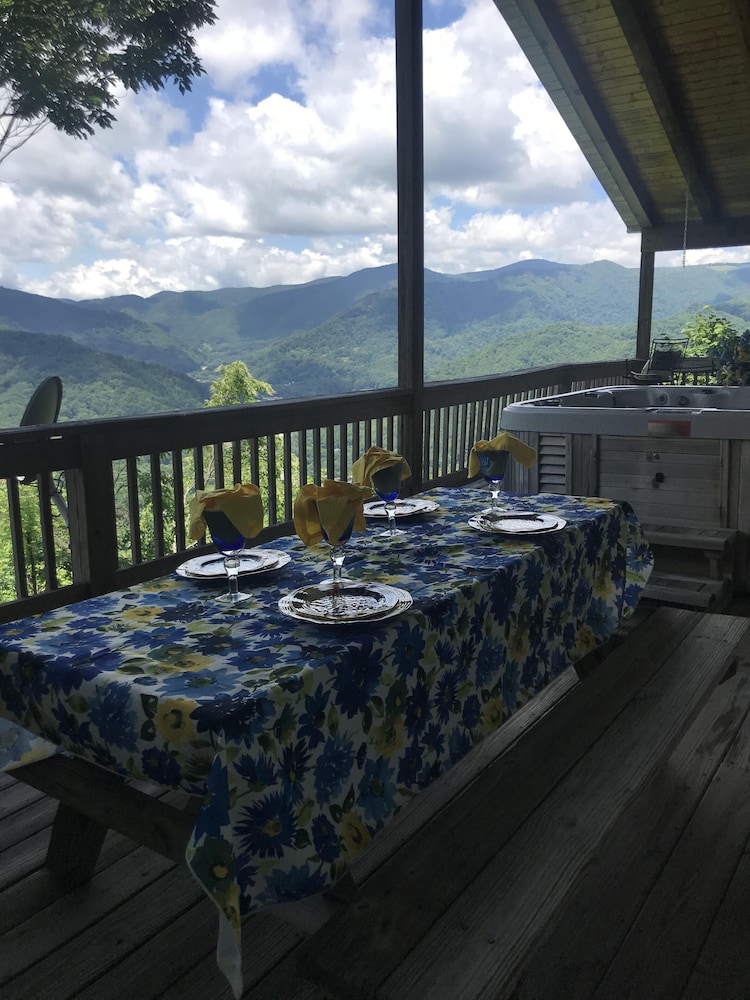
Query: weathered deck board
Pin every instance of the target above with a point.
(689, 890)
(482, 938)
(267, 942)
(723, 966)
(573, 954)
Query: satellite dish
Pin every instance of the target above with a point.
(44, 405)
(44, 408)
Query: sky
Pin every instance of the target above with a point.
(280, 166)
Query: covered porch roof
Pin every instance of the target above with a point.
(657, 95)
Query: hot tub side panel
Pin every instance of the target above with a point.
(692, 483)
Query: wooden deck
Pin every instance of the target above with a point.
(593, 848)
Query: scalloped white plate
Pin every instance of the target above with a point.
(353, 604)
(211, 567)
(540, 524)
(409, 507)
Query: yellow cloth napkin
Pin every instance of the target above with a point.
(330, 507)
(242, 504)
(522, 453)
(375, 459)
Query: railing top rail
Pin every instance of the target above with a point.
(57, 447)
(507, 383)
(28, 450)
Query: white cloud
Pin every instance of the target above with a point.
(281, 167)
(246, 38)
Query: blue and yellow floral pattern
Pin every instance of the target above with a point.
(302, 740)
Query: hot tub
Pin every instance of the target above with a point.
(679, 454)
(701, 411)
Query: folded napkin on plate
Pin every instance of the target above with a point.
(329, 508)
(503, 442)
(375, 459)
(242, 504)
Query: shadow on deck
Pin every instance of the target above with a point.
(595, 846)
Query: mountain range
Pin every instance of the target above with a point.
(126, 354)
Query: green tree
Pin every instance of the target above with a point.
(60, 62)
(236, 386)
(712, 335)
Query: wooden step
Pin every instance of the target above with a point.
(688, 591)
(709, 539)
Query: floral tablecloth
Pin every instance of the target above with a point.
(306, 739)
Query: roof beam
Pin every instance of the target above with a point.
(700, 235)
(558, 65)
(653, 59)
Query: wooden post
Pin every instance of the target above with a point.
(410, 185)
(92, 520)
(645, 304)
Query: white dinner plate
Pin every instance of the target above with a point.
(211, 566)
(352, 604)
(539, 524)
(408, 507)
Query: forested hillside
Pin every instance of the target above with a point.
(339, 334)
(95, 384)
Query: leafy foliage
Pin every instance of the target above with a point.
(60, 62)
(716, 336)
(94, 384)
(710, 334)
(236, 386)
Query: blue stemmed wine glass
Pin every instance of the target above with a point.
(229, 541)
(492, 466)
(338, 552)
(387, 485)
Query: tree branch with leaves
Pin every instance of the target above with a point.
(61, 62)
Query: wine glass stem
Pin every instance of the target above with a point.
(390, 509)
(337, 558)
(495, 497)
(232, 567)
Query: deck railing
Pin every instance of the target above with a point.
(104, 505)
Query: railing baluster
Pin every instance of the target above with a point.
(219, 481)
(302, 454)
(287, 476)
(253, 447)
(434, 454)
(272, 473)
(178, 481)
(200, 476)
(157, 503)
(344, 450)
(330, 453)
(134, 510)
(456, 455)
(44, 486)
(17, 539)
(236, 463)
(317, 456)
